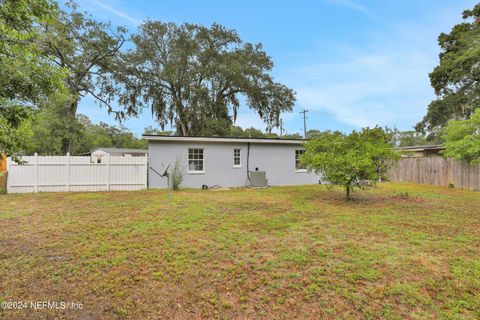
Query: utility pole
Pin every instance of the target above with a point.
(304, 123)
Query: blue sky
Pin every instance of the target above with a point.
(352, 63)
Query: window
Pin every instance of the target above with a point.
(298, 165)
(236, 158)
(195, 160)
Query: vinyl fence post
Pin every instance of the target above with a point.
(68, 171)
(146, 171)
(168, 188)
(35, 164)
(108, 171)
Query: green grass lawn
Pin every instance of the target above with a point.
(396, 252)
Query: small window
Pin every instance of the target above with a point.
(298, 165)
(195, 160)
(236, 158)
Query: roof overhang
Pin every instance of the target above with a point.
(120, 150)
(221, 140)
(421, 148)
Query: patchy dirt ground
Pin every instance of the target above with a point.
(396, 252)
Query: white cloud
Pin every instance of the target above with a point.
(350, 4)
(387, 85)
(367, 88)
(247, 118)
(117, 12)
(383, 81)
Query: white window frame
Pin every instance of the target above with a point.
(203, 161)
(239, 157)
(295, 161)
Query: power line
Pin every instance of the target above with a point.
(281, 128)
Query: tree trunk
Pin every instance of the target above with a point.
(183, 128)
(73, 107)
(181, 121)
(347, 188)
(67, 144)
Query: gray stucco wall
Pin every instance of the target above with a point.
(277, 160)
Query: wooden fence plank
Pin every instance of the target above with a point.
(435, 171)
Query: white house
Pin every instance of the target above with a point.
(99, 153)
(228, 162)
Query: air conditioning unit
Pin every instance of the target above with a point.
(258, 179)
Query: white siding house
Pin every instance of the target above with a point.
(98, 155)
(227, 162)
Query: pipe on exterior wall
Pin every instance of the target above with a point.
(248, 161)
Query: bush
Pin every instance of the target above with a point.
(356, 160)
(462, 139)
(176, 174)
(3, 182)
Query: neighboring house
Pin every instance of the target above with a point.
(228, 162)
(421, 151)
(100, 153)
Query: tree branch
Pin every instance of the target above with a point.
(99, 98)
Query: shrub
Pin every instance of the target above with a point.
(462, 139)
(357, 160)
(176, 174)
(3, 182)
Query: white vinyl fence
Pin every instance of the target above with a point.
(72, 173)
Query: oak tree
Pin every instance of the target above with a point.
(462, 139)
(194, 77)
(27, 77)
(456, 79)
(86, 48)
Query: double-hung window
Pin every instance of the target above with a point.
(237, 158)
(195, 161)
(298, 164)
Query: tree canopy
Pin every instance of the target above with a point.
(195, 76)
(26, 76)
(190, 76)
(456, 79)
(411, 138)
(462, 139)
(87, 49)
(357, 160)
(45, 133)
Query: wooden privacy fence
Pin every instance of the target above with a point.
(73, 173)
(436, 171)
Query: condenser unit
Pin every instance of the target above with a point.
(258, 179)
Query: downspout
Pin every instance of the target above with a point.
(248, 161)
